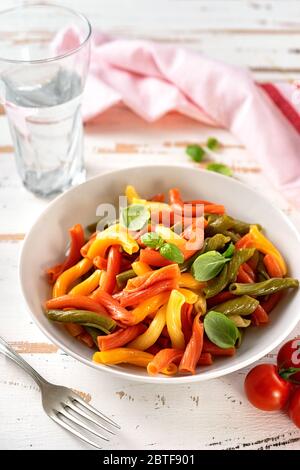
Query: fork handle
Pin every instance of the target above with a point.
(9, 352)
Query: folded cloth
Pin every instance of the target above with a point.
(153, 79)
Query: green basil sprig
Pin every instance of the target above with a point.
(208, 265)
(219, 168)
(135, 217)
(172, 253)
(220, 330)
(229, 251)
(153, 240)
(167, 250)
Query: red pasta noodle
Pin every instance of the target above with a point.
(113, 268)
(153, 258)
(219, 298)
(75, 301)
(163, 359)
(193, 349)
(116, 311)
(152, 277)
(272, 266)
(243, 276)
(259, 316)
(244, 242)
(160, 197)
(100, 263)
(186, 321)
(270, 303)
(205, 359)
(128, 299)
(86, 338)
(247, 268)
(120, 338)
(74, 329)
(77, 241)
(214, 350)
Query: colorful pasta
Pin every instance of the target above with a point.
(170, 285)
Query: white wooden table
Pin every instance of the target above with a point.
(261, 34)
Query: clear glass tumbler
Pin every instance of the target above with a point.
(41, 90)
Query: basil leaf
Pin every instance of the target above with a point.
(134, 217)
(195, 152)
(212, 143)
(208, 265)
(172, 252)
(220, 329)
(152, 239)
(219, 168)
(229, 251)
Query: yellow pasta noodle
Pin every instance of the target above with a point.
(88, 285)
(151, 335)
(69, 276)
(149, 306)
(131, 193)
(190, 297)
(173, 319)
(129, 356)
(188, 281)
(140, 268)
(113, 235)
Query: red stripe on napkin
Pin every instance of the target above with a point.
(285, 107)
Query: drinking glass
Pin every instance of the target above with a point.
(41, 89)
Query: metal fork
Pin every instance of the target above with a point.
(63, 405)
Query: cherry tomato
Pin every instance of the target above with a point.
(265, 389)
(294, 407)
(289, 356)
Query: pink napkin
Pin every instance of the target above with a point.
(153, 79)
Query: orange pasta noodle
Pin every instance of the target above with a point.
(116, 311)
(152, 277)
(130, 356)
(163, 359)
(77, 240)
(68, 277)
(133, 298)
(272, 266)
(149, 306)
(120, 338)
(85, 248)
(193, 349)
(75, 301)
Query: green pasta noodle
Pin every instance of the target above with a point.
(239, 257)
(234, 237)
(265, 287)
(244, 305)
(261, 270)
(123, 277)
(228, 273)
(214, 286)
(217, 242)
(222, 223)
(94, 333)
(239, 321)
(83, 317)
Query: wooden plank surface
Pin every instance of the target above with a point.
(261, 34)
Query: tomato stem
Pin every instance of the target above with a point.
(287, 374)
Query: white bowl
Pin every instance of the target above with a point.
(44, 245)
